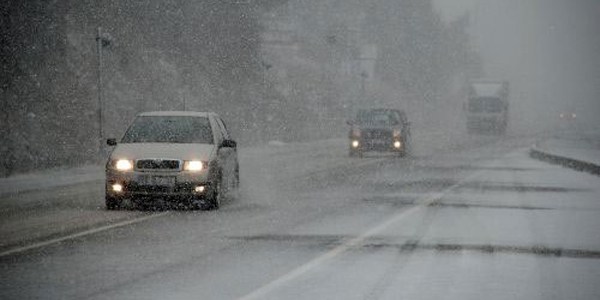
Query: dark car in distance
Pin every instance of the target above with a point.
(381, 129)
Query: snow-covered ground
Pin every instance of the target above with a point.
(466, 217)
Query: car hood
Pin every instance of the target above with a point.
(164, 151)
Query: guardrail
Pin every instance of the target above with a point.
(572, 163)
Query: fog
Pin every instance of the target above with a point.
(281, 70)
(547, 49)
(373, 149)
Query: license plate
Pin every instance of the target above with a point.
(150, 180)
(378, 143)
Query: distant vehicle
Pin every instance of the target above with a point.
(567, 116)
(183, 157)
(568, 119)
(487, 106)
(384, 130)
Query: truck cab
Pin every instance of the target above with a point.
(486, 107)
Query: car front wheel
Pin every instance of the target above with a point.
(214, 200)
(112, 203)
(355, 153)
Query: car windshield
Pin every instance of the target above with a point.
(169, 129)
(376, 117)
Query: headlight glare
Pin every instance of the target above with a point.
(124, 165)
(193, 165)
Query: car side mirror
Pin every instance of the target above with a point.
(111, 142)
(229, 144)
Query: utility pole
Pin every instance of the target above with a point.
(100, 104)
(102, 40)
(363, 77)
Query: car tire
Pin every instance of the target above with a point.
(407, 150)
(356, 153)
(112, 203)
(196, 203)
(400, 154)
(214, 200)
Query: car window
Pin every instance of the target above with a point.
(377, 117)
(217, 130)
(169, 129)
(222, 128)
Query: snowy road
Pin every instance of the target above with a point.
(465, 218)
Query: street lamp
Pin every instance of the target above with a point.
(102, 40)
(363, 77)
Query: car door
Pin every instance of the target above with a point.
(227, 155)
(219, 155)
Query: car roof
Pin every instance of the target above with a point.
(177, 113)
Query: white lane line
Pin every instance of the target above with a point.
(81, 234)
(264, 290)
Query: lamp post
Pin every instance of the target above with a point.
(101, 42)
(363, 77)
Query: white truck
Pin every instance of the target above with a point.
(486, 107)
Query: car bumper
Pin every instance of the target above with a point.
(484, 122)
(157, 184)
(381, 145)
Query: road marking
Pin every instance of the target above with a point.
(81, 234)
(264, 290)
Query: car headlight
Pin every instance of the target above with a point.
(124, 165)
(193, 165)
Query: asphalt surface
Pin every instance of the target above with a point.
(466, 217)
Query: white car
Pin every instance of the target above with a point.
(184, 157)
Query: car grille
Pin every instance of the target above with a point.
(158, 164)
(377, 134)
